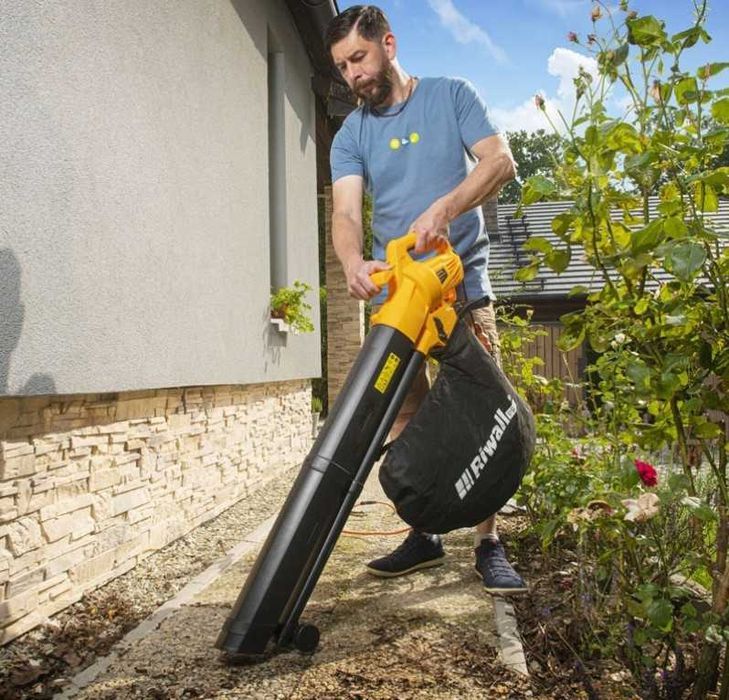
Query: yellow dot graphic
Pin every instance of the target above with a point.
(414, 137)
(394, 144)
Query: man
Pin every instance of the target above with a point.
(410, 142)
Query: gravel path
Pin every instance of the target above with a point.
(429, 635)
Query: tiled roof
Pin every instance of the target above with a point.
(507, 254)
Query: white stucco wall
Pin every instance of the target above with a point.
(134, 195)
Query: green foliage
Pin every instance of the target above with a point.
(288, 304)
(659, 331)
(535, 154)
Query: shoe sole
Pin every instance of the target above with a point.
(502, 591)
(394, 574)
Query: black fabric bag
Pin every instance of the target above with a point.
(464, 453)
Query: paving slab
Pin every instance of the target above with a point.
(430, 634)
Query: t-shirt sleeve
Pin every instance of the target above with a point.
(471, 113)
(344, 157)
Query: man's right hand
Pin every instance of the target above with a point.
(359, 283)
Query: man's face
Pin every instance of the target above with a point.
(366, 66)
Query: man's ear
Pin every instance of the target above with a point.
(390, 45)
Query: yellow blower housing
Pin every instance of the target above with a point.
(420, 293)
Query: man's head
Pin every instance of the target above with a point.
(362, 47)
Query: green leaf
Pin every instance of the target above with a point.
(699, 509)
(621, 54)
(675, 227)
(558, 260)
(579, 290)
(641, 306)
(526, 274)
(646, 31)
(720, 110)
(571, 339)
(686, 91)
(537, 187)
(539, 244)
(562, 222)
(705, 198)
(685, 259)
(690, 36)
(639, 374)
(624, 137)
(710, 69)
(647, 238)
(660, 613)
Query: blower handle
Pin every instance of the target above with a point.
(398, 249)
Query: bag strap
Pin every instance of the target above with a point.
(472, 305)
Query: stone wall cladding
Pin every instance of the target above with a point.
(91, 484)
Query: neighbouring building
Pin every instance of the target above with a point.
(548, 293)
(158, 178)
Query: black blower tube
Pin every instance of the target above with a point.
(327, 487)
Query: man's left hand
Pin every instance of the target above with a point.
(431, 226)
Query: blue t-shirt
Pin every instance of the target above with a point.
(414, 156)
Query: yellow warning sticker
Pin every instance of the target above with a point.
(388, 369)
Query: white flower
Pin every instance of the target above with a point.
(641, 509)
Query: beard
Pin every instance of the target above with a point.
(375, 91)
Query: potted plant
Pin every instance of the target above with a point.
(289, 310)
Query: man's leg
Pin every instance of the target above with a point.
(419, 550)
(491, 563)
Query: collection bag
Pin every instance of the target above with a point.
(465, 451)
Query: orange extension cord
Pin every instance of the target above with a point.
(372, 533)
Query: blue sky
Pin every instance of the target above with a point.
(513, 49)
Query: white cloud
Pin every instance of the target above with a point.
(563, 64)
(465, 31)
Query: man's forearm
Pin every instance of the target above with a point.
(347, 240)
(483, 182)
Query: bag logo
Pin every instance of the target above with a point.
(478, 464)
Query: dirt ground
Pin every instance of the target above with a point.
(428, 635)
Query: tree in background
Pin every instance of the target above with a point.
(535, 154)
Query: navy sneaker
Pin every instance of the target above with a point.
(494, 568)
(418, 551)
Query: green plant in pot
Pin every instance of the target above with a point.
(288, 304)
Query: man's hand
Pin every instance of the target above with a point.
(358, 273)
(431, 226)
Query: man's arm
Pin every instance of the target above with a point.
(347, 237)
(494, 169)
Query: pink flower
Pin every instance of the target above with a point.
(641, 509)
(571, 36)
(647, 473)
(539, 101)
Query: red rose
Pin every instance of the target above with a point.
(647, 473)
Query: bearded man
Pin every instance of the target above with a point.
(427, 153)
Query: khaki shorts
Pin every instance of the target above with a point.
(483, 323)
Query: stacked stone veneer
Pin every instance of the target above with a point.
(89, 485)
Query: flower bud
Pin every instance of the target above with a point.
(571, 36)
(539, 101)
(596, 13)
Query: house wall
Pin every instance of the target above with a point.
(142, 388)
(134, 236)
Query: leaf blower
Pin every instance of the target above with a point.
(417, 317)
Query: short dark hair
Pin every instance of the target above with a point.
(370, 21)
